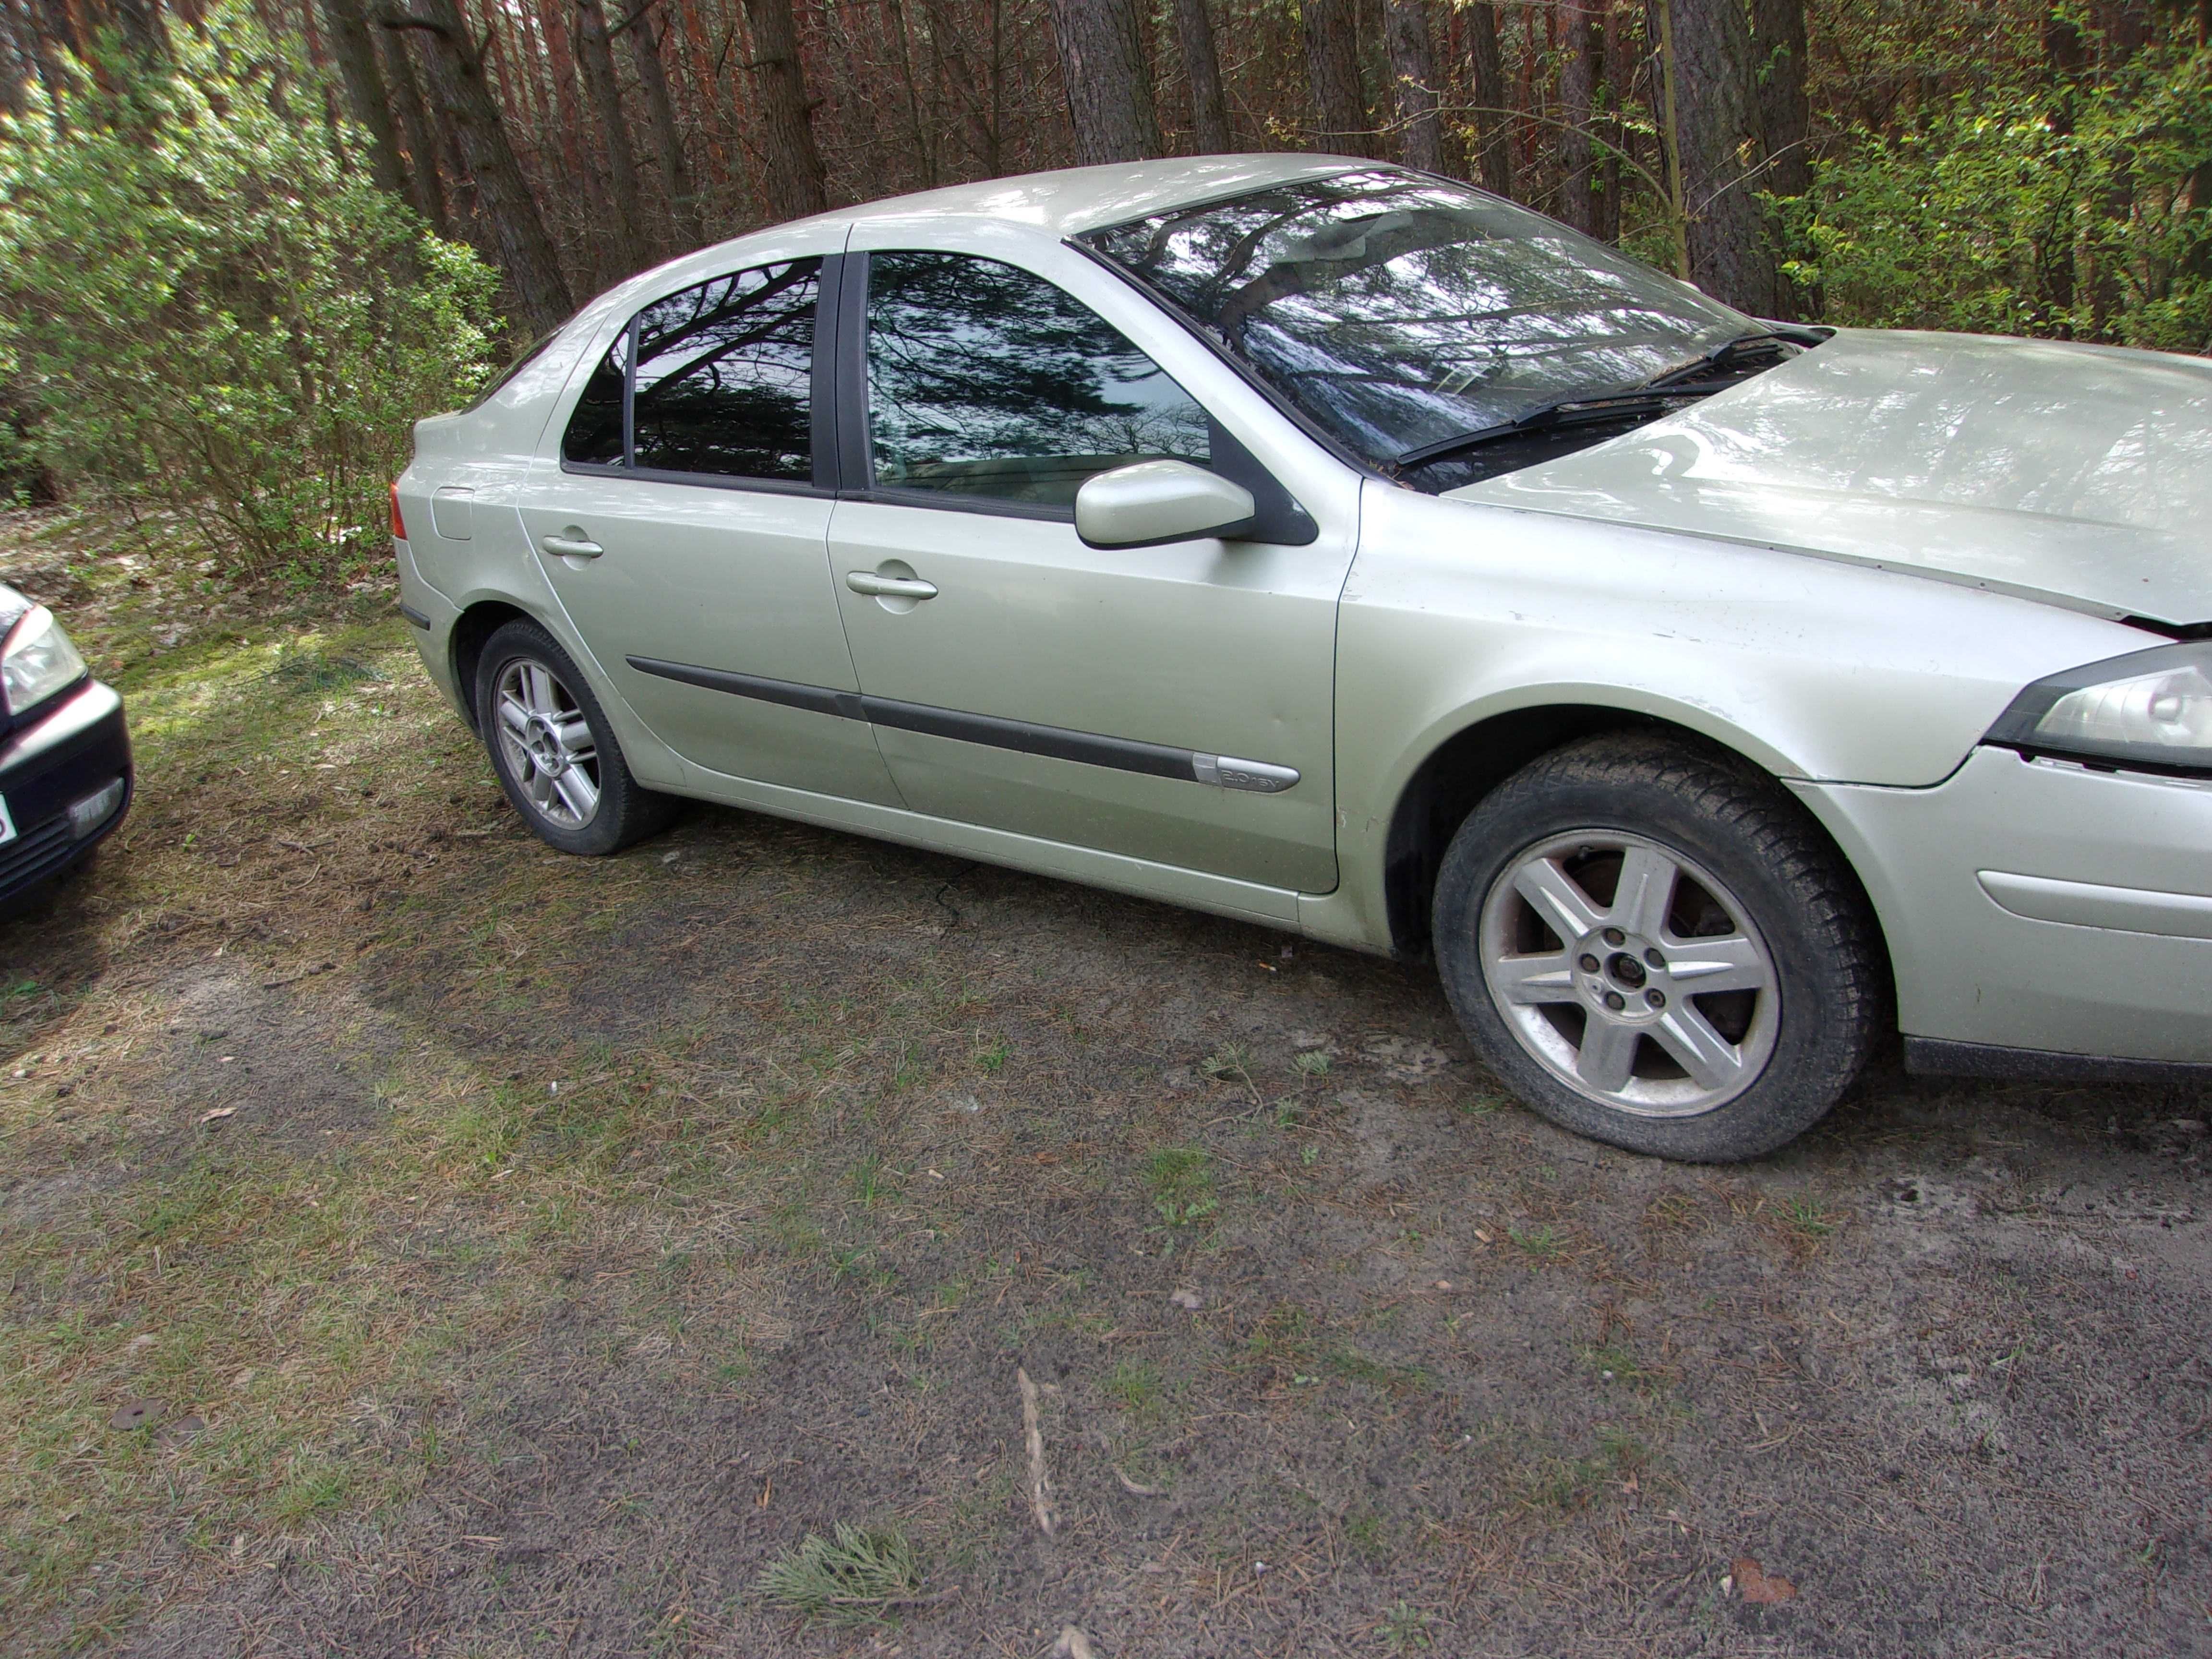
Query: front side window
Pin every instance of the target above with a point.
(722, 385)
(986, 381)
(1402, 313)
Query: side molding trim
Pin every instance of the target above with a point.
(1023, 737)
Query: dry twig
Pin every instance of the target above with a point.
(1033, 1436)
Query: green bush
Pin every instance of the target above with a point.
(213, 307)
(2078, 212)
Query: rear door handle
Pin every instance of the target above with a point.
(572, 546)
(890, 587)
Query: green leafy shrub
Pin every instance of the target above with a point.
(213, 307)
(2076, 211)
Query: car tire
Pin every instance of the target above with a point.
(554, 750)
(1654, 946)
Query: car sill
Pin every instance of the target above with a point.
(1223, 896)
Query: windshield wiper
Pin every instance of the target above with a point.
(1657, 396)
(1721, 356)
(1583, 411)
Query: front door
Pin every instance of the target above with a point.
(1170, 704)
(681, 525)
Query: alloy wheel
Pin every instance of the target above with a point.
(1631, 973)
(548, 744)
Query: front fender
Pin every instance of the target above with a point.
(1456, 612)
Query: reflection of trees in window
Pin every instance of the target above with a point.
(723, 375)
(594, 437)
(986, 380)
(1399, 311)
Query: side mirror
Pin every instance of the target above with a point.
(1155, 502)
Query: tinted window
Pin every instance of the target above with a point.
(723, 381)
(1399, 310)
(985, 380)
(724, 374)
(594, 436)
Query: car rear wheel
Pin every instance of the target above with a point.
(1654, 947)
(555, 754)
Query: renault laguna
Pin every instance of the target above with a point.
(1349, 551)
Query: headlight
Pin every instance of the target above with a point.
(2151, 709)
(40, 660)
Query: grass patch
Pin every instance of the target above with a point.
(1134, 1387)
(861, 1576)
(1354, 1366)
(1182, 1182)
(1806, 1217)
(1540, 1244)
(314, 669)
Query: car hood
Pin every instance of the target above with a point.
(2077, 475)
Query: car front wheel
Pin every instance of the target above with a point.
(1654, 947)
(555, 754)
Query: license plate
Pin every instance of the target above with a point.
(7, 823)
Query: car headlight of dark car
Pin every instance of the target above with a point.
(38, 661)
(2150, 710)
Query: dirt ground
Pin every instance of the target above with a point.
(519, 1253)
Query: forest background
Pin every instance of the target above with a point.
(244, 243)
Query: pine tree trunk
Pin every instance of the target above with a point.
(1778, 49)
(425, 188)
(1487, 66)
(1340, 107)
(1778, 43)
(356, 52)
(1577, 90)
(793, 185)
(1716, 127)
(537, 293)
(661, 115)
(1209, 110)
(1414, 84)
(633, 249)
(1109, 89)
(1617, 65)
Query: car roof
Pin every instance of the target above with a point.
(1054, 204)
(1073, 200)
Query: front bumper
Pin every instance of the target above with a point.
(55, 777)
(2039, 906)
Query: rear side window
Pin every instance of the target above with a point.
(720, 385)
(985, 380)
(594, 437)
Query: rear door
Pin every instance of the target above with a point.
(683, 522)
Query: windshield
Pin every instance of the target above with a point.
(1399, 312)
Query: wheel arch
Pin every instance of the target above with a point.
(465, 643)
(1465, 765)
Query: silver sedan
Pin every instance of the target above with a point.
(1352, 552)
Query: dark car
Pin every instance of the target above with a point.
(64, 751)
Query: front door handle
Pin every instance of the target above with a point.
(890, 587)
(572, 546)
